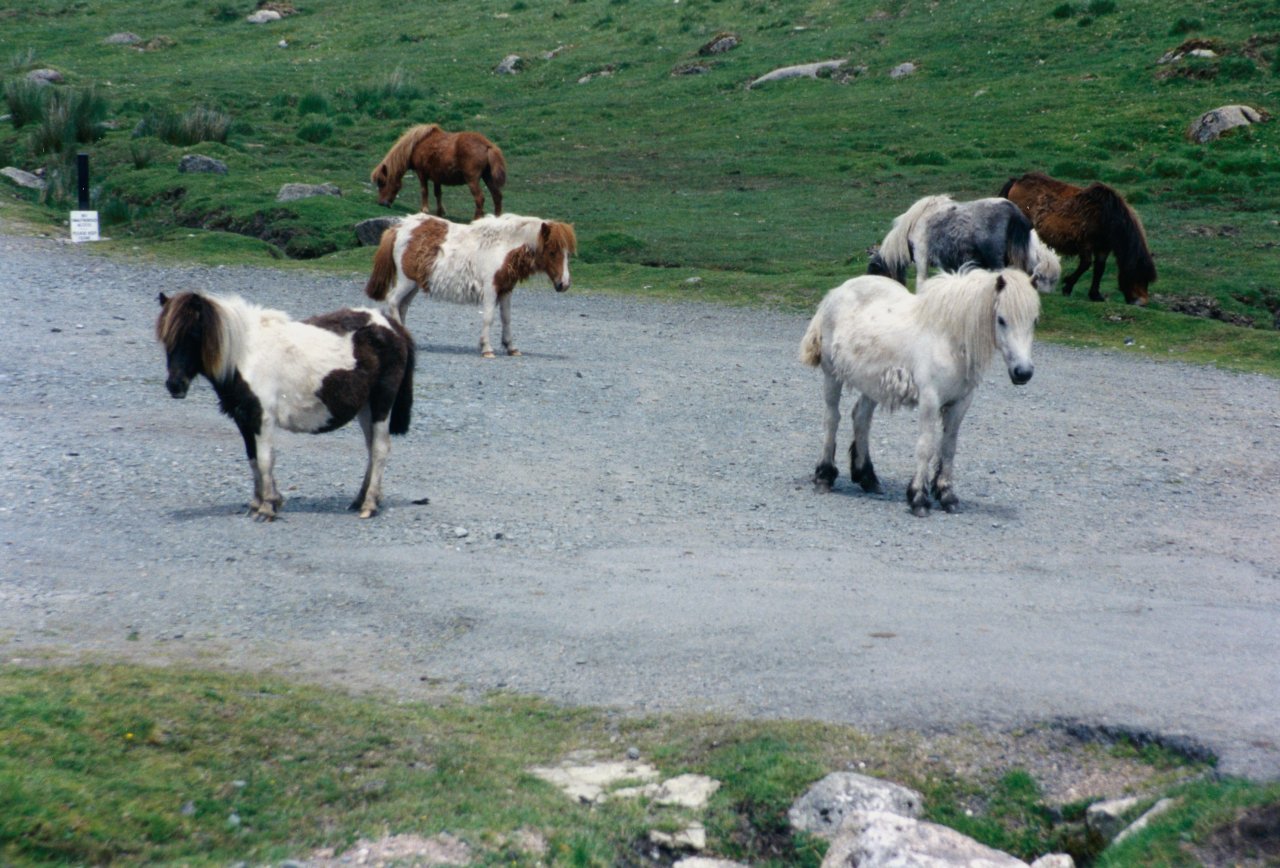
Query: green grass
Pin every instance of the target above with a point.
(769, 194)
(130, 765)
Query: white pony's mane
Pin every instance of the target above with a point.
(493, 231)
(236, 318)
(895, 249)
(963, 304)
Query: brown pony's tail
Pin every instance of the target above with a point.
(811, 343)
(384, 267)
(497, 166)
(1008, 185)
(402, 409)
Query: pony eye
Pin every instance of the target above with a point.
(1000, 322)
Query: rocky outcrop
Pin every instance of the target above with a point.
(292, 192)
(803, 70)
(23, 179)
(196, 164)
(369, 232)
(1213, 124)
(826, 804)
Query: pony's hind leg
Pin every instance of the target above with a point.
(439, 200)
(377, 439)
(943, 478)
(504, 311)
(474, 184)
(1099, 266)
(861, 470)
(824, 475)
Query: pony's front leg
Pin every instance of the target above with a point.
(1099, 266)
(488, 303)
(861, 470)
(943, 479)
(824, 475)
(377, 440)
(926, 450)
(439, 199)
(1070, 282)
(426, 196)
(267, 499)
(504, 310)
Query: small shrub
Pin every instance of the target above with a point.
(224, 12)
(143, 152)
(1185, 25)
(315, 132)
(1064, 11)
(314, 104)
(113, 211)
(26, 101)
(1236, 68)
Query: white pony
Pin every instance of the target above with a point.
(987, 233)
(476, 263)
(927, 350)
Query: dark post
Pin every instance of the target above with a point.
(82, 178)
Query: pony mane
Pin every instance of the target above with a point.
(895, 249)
(396, 162)
(220, 323)
(1129, 238)
(962, 305)
(562, 236)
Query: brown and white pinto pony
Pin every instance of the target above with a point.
(270, 372)
(442, 158)
(1090, 222)
(476, 263)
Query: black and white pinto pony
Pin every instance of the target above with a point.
(312, 376)
(937, 230)
(927, 350)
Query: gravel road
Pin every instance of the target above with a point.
(624, 517)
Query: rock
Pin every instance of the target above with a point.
(510, 65)
(589, 783)
(603, 72)
(263, 16)
(44, 76)
(902, 70)
(804, 70)
(693, 837)
(369, 232)
(877, 839)
(124, 37)
(705, 862)
(1142, 822)
(719, 44)
(1055, 860)
(23, 179)
(195, 164)
(687, 791)
(1106, 819)
(1213, 124)
(826, 804)
(292, 192)
(691, 69)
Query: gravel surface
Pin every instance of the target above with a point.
(624, 517)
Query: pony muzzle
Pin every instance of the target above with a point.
(562, 286)
(177, 386)
(1021, 374)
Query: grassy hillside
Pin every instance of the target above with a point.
(768, 194)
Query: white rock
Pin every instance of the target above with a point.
(23, 179)
(824, 806)
(1107, 818)
(804, 70)
(877, 839)
(262, 16)
(687, 791)
(1213, 124)
(902, 70)
(693, 837)
(1142, 822)
(590, 783)
(1055, 860)
(706, 862)
(291, 192)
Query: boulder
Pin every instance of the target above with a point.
(369, 232)
(803, 70)
(902, 70)
(590, 784)
(1106, 819)
(1213, 124)
(1055, 860)
(825, 805)
(23, 179)
(44, 76)
(510, 65)
(1142, 822)
(705, 862)
(123, 38)
(877, 839)
(264, 16)
(195, 164)
(721, 43)
(292, 192)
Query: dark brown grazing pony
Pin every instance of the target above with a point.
(1089, 222)
(442, 158)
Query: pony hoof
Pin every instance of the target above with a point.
(486, 354)
(368, 513)
(514, 353)
(920, 511)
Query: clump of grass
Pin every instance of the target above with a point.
(1063, 11)
(314, 104)
(70, 116)
(315, 132)
(1102, 7)
(143, 152)
(199, 124)
(1184, 26)
(1236, 68)
(26, 101)
(22, 59)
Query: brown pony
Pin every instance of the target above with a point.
(1089, 222)
(442, 158)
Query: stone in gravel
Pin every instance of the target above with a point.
(824, 806)
(461, 532)
(192, 164)
(293, 192)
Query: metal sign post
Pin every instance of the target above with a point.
(84, 223)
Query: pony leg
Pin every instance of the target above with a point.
(943, 482)
(495, 193)
(439, 200)
(488, 303)
(426, 197)
(269, 499)
(922, 263)
(401, 294)
(377, 440)
(861, 470)
(1070, 282)
(926, 450)
(474, 184)
(1099, 266)
(504, 310)
(824, 475)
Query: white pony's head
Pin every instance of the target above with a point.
(1046, 269)
(1015, 314)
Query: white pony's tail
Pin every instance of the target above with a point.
(811, 343)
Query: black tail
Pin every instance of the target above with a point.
(1008, 185)
(1017, 241)
(403, 407)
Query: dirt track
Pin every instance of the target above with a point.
(623, 516)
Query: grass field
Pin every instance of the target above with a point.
(770, 195)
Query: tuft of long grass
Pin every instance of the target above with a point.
(68, 117)
(26, 100)
(199, 124)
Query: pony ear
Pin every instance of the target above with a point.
(1000, 283)
(163, 299)
(545, 232)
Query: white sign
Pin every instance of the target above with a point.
(84, 226)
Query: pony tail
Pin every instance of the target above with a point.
(1018, 241)
(497, 166)
(384, 267)
(403, 406)
(1008, 185)
(811, 343)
